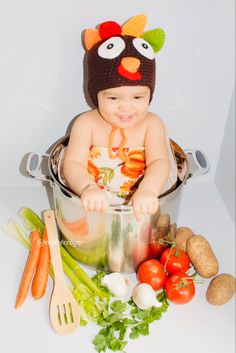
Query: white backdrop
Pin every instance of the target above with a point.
(41, 71)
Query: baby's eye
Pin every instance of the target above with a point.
(138, 97)
(112, 98)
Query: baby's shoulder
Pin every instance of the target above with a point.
(153, 121)
(85, 119)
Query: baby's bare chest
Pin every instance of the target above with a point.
(101, 136)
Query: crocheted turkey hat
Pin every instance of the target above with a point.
(122, 55)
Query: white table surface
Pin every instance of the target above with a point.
(194, 327)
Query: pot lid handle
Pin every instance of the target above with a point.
(34, 164)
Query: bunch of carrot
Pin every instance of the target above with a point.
(90, 295)
(36, 268)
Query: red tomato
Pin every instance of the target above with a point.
(152, 272)
(175, 260)
(180, 288)
(156, 248)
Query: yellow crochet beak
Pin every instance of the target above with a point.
(130, 64)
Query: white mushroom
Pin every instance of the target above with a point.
(144, 296)
(116, 283)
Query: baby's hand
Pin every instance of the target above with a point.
(144, 202)
(94, 199)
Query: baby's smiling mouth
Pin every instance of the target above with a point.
(125, 118)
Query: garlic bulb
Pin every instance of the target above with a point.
(144, 296)
(116, 283)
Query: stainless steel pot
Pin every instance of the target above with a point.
(114, 240)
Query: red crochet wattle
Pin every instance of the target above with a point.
(133, 76)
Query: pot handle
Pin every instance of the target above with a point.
(34, 166)
(198, 163)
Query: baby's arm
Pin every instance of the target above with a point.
(75, 166)
(145, 199)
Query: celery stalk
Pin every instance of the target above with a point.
(85, 291)
(31, 219)
(16, 231)
(93, 313)
(89, 306)
(81, 274)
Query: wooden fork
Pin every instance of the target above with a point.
(64, 310)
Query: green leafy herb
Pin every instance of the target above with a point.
(118, 306)
(122, 320)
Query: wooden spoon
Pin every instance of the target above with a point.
(64, 310)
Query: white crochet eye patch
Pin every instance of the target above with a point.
(111, 48)
(144, 48)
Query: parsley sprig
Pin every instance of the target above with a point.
(123, 320)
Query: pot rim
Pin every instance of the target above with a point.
(69, 193)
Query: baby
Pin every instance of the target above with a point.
(119, 152)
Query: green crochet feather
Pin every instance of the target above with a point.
(155, 37)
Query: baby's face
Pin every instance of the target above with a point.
(124, 106)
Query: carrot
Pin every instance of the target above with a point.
(41, 275)
(82, 230)
(79, 227)
(75, 225)
(30, 267)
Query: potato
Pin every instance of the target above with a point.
(202, 257)
(163, 220)
(221, 289)
(172, 233)
(182, 235)
(163, 226)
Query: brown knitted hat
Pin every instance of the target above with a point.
(122, 56)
